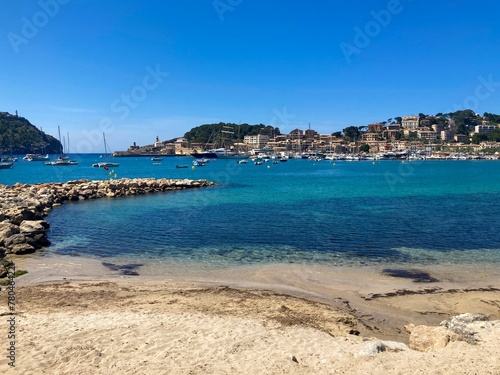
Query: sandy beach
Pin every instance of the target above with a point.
(77, 316)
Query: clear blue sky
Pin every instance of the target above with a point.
(137, 69)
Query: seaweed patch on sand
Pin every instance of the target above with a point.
(126, 269)
(416, 275)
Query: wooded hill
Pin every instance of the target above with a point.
(18, 136)
(231, 132)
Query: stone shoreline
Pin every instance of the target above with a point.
(24, 206)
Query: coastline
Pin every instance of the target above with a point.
(78, 316)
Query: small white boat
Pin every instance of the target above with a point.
(156, 158)
(36, 157)
(242, 161)
(6, 164)
(105, 164)
(61, 161)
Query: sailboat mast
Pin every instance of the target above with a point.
(59, 132)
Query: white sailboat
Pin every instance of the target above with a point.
(105, 164)
(62, 160)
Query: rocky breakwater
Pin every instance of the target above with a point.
(23, 207)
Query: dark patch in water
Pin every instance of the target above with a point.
(416, 275)
(126, 269)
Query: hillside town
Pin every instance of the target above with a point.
(420, 136)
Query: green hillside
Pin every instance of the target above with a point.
(19, 136)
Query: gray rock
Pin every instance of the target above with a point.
(34, 226)
(22, 248)
(6, 230)
(463, 327)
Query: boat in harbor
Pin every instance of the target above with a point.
(62, 160)
(36, 157)
(156, 158)
(105, 164)
(6, 164)
(181, 166)
(9, 159)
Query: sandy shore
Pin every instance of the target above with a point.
(76, 316)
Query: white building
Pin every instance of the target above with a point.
(256, 141)
(410, 122)
(485, 128)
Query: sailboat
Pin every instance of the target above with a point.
(38, 157)
(62, 160)
(105, 164)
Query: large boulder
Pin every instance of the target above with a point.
(34, 226)
(18, 239)
(22, 248)
(430, 339)
(6, 230)
(18, 214)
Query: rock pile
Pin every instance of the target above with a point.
(464, 327)
(24, 206)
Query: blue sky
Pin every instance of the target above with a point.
(137, 69)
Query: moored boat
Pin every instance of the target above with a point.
(6, 164)
(36, 157)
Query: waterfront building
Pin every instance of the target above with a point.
(427, 134)
(461, 138)
(447, 135)
(256, 141)
(376, 127)
(485, 129)
(391, 131)
(370, 137)
(410, 122)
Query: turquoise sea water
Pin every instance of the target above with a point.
(300, 211)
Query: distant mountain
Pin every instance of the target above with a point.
(19, 136)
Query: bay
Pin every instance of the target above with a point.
(300, 211)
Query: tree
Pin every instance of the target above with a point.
(399, 120)
(479, 137)
(337, 134)
(364, 148)
(352, 132)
